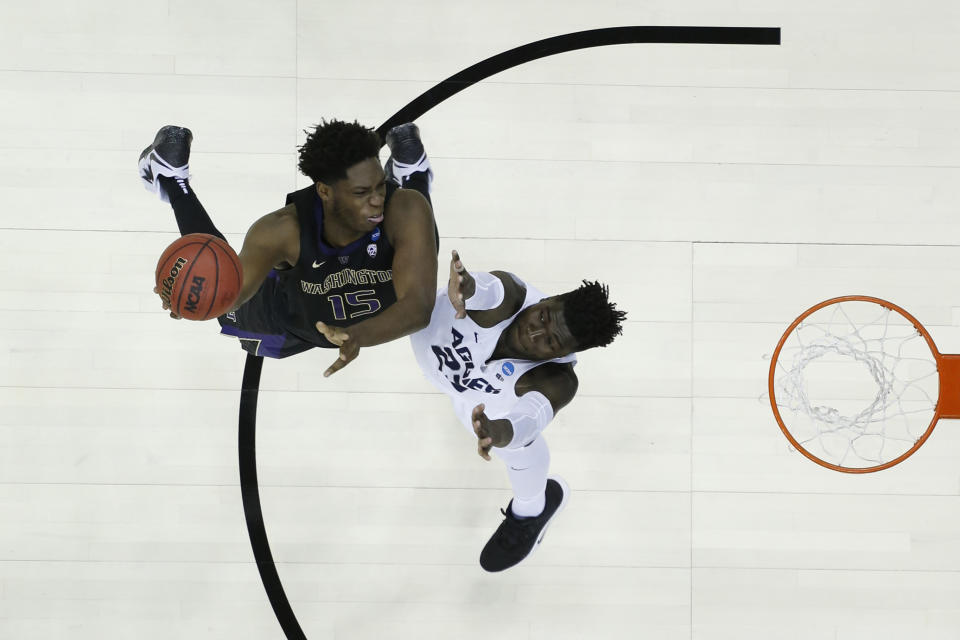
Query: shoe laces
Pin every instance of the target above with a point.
(517, 530)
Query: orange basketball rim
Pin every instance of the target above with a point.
(947, 376)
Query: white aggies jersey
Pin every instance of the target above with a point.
(453, 356)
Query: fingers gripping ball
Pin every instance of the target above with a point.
(199, 275)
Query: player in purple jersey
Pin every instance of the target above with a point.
(349, 262)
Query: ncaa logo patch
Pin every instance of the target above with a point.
(508, 368)
(343, 259)
(375, 235)
(372, 250)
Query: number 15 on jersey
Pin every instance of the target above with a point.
(354, 304)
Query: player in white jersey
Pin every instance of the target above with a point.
(505, 353)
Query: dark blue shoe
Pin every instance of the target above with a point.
(517, 538)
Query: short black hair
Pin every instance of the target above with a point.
(333, 147)
(593, 320)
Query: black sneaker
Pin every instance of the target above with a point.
(516, 538)
(167, 156)
(407, 155)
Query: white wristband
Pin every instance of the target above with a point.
(489, 293)
(532, 413)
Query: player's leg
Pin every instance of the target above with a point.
(537, 498)
(164, 170)
(408, 165)
(527, 468)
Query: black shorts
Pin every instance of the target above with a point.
(257, 326)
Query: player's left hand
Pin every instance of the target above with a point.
(460, 286)
(490, 433)
(349, 349)
(166, 304)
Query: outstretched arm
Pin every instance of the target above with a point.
(543, 391)
(273, 240)
(488, 298)
(410, 230)
(409, 226)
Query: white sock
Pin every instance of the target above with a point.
(403, 171)
(527, 468)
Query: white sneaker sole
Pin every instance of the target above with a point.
(152, 164)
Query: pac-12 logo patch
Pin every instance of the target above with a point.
(372, 250)
(508, 368)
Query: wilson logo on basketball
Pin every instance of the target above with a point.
(198, 277)
(193, 298)
(166, 288)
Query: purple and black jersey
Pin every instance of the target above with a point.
(339, 287)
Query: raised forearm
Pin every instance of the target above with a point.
(482, 291)
(405, 316)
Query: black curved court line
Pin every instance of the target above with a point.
(246, 439)
(572, 42)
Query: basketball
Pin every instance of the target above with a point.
(199, 275)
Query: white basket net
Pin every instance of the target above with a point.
(856, 384)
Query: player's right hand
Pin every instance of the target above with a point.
(166, 304)
(484, 441)
(490, 433)
(460, 286)
(349, 349)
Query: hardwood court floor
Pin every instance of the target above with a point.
(719, 190)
